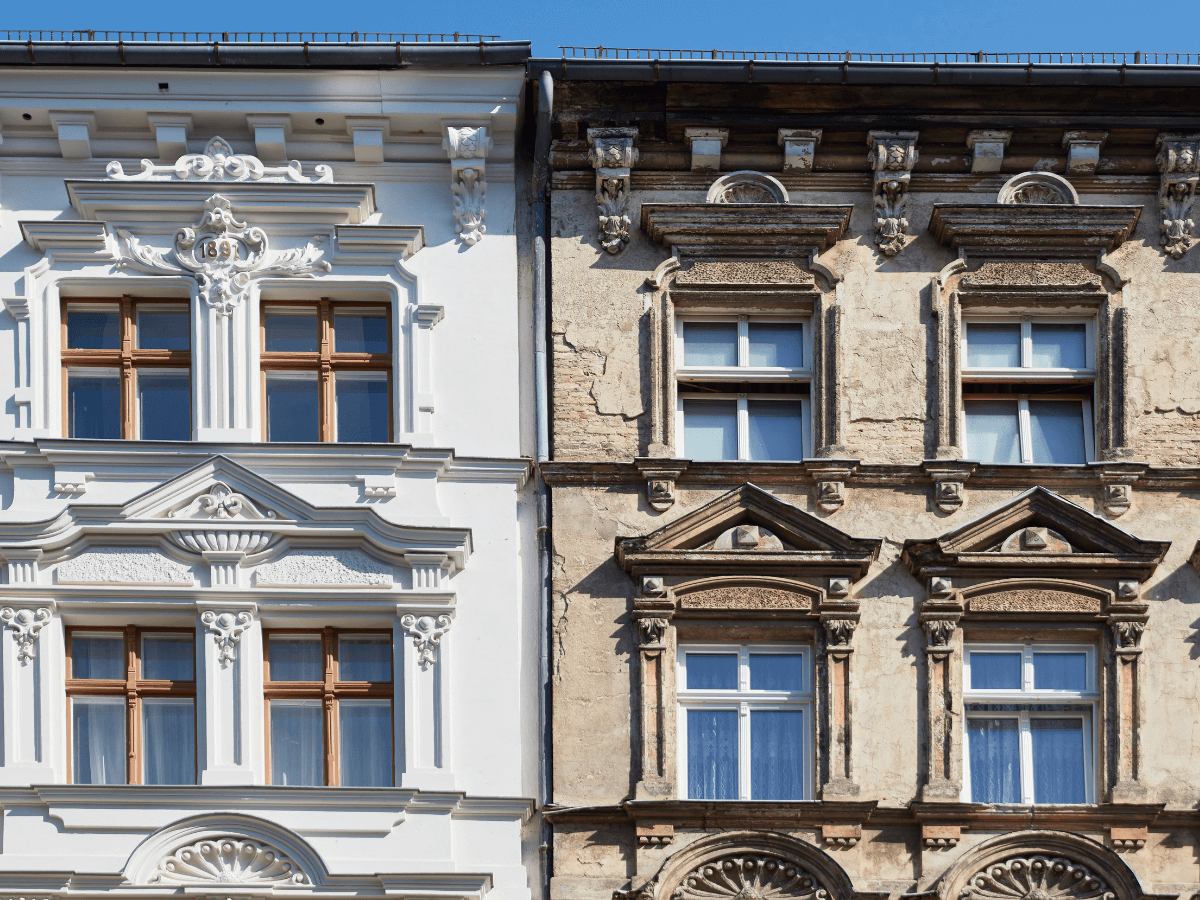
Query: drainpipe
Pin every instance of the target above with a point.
(541, 197)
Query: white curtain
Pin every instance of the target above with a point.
(366, 748)
(297, 748)
(169, 745)
(98, 731)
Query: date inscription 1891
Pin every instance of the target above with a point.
(220, 249)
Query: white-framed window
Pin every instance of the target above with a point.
(742, 387)
(1027, 389)
(745, 721)
(1030, 723)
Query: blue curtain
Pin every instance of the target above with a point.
(1058, 761)
(995, 760)
(712, 736)
(777, 754)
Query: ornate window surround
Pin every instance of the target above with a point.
(1036, 568)
(786, 576)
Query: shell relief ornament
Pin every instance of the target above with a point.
(1037, 878)
(750, 876)
(222, 254)
(228, 861)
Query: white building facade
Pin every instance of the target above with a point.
(270, 604)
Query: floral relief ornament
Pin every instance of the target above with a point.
(1179, 163)
(25, 623)
(226, 628)
(218, 162)
(426, 632)
(468, 149)
(1036, 878)
(222, 254)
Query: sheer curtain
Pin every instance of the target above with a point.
(169, 748)
(297, 749)
(777, 754)
(98, 729)
(1058, 775)
(995, 760)
(366, 750)
(712, 736)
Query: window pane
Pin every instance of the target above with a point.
(364, 659)
(712, 740)
(1060, 672)
(1058, 775)
(93, 329)
(775, 430)
(168, 656)
(356, 332)
(292, 331)
(995, 763)
(710, 343)
(712, 671)
(776, 345)
(292, 408)
(164, 330)
(1056, 427)
(710, 429)
(94, 405)
(98, 739)
(362, 407)
(777, 754)
(995, 671)
(295, 659)
(169, 751)
(1059, 346)
(776, 671)
(165, 405)
(98, 656)
(992, 435)
(297, 750)
(993, 346)
(366, 750)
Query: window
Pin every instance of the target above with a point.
(127, 369)
(745, 722)
(1030, 713)
(742, 388)
(132, 698)
(348, 674)
(1027, 390)
(327, 370)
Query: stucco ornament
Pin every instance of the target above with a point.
(226, 628)
(749, 877)
(228, 861)
(747, 187)
(218, 162)
(1038, 188)
(613, 154)
(25, 624)
(1179, 164)
(892, 157)
(426, 632)
(222, 254)
(468, 149)
(221, 502)
(1036, 878)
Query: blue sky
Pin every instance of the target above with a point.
(827, 25)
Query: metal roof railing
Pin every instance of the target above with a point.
(271, 37)
(1138, 57)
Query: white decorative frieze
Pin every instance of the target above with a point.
(26, 625)
(613, 154)
(426, 632)
(316, 568)
(222, 254)
(1179, 165)
(123, 565)
(468, 149)
(218, 162)
(891, 158)
(221, 502)
(226, 629)
(229, 861)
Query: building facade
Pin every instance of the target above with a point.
(873, 473)
(268, 523)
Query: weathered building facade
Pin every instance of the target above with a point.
(874, 467)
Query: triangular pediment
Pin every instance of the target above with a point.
(218, 489)
(748, 527)
(1040, 530)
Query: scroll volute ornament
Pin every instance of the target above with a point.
(892, 157)
(1179, 164)
(613, 154)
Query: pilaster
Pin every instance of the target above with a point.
(229, 654)
(421, 649)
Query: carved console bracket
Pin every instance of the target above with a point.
(892, 157)
(939, 837)
(799, 147)
(840, 836)
(1128, 838)
(468, 148)
(949, 480)
(987, 148)
(426, 632)
(657, 835)
(1116, 484)
(226, 628)
(830, 476)
(613, 154)
(1179, 164)
(26, 624)
(660, 475)
(706, 145)
(1083, 151)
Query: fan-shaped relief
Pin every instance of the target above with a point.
(228, 860)
(749, 876)
(747, 187)
(1038, 187)
(1037, 878)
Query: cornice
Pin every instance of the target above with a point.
(745, 229)
(1037, 229)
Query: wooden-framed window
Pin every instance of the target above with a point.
(327, 371)
(131, 698)
(127, 369)
(329, 707)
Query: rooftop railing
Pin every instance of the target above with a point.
(266, 37)
(1139, 57)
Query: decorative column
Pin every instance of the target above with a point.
(468, 149)
(613, 154)
(892, 157)
(1127, 619)
(27, 646)
(839, 616)
(1179, 163)
(652, 618)
(421, 653)
(943, 779)
(229, 675)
